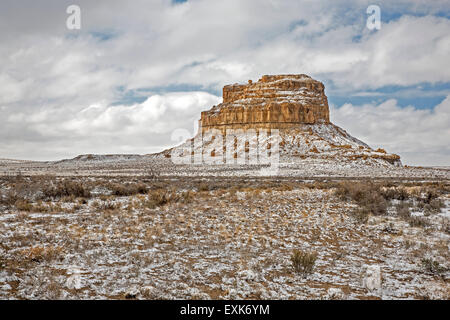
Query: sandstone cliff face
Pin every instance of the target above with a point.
(277, 102)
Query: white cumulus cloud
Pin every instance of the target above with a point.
(420, 137)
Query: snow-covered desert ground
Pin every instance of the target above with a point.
(136, 234)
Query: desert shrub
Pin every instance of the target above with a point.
(361, 215)
(8, 198)
(374, 203)
(357, 191)
(314, 150)
(67, 188)
(118, 189)
(303, 262)
(427, 199)
(161, 197)
(321, 185)
(402, 210)
(285, 187)
(390, 228)
(187, 196)
(432, 266)
(152, 173)
(398, 193)
(374, 198)
(446, 227)
(20, 189)
(203, 187)
(141, 188)
(23, 205)
(428, 194)
(108, 206)
(366, 194)
(409, 244)
(39, 254)
(415, 221)
(434, 206)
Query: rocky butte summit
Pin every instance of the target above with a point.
(293, 105)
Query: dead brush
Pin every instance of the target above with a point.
(129, 189)
(432, 267)
(39, 253)
(24, 205)
(434, 206)
(303, 262)
(2, 263)
(361, 215)
(203, 187)
(161, 197)
(67, 188)
(419, 222)
(8, 198)
(187, 196)
(446, 226)
(285, 187)
(366, 194)
(109, 206)
(402, 210)
(398, 193)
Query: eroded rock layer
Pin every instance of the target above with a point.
(274, 102)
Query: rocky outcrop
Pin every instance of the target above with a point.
(274, 102)
(294, 108)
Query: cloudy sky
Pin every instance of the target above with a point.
(137, 70)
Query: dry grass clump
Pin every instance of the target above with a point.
(161, 197)
(314, 150)
(434, 206)
(23, 205)
(67, 188)
(427, 198)
(375, 198)
(433, 267)
(40, 254)
(366, 194)
(106, 205)
(128, 189)
(303, 262)
(361, 215)
(18, 188)
(446, 227)
(402, 210)
(397, 193)
(8, 198)
(203, 187)
(419, 222)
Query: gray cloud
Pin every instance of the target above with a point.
(59, 89)
(420, 137)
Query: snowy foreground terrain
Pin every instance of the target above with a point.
(130, 228)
